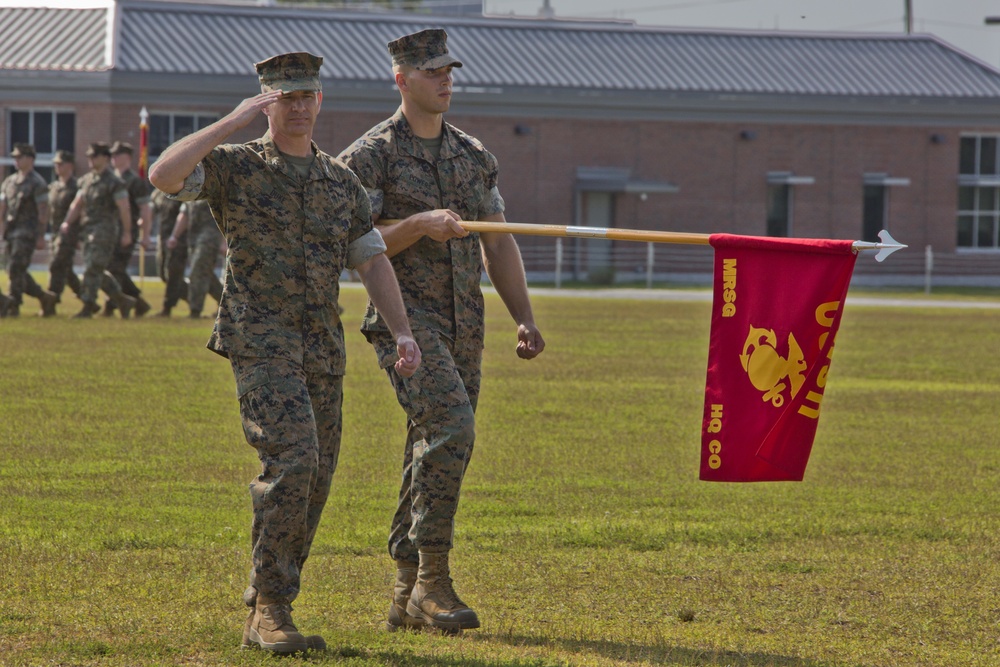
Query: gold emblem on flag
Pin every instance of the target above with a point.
(768, 370)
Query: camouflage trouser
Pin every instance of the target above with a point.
(61, 267)
(118, 269)
(203, 280)
(20, 251)
(440, 404)
(170, 265)
(292, 418)
(99, 242)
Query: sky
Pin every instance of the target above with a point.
(958, 22)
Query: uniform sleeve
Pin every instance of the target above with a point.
(41, 192)
(362, 249)
(209, 177)
(139, 192)
(363, 159)
(193, 185)
(361, 219)
(493, 202)
(364, 240)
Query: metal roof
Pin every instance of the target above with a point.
(43, 38)
(138, 36)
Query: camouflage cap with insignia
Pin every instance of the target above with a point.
(26, 150)
(63, 156)
(98, 148)
(122, 147)
(290, 72)
(424, 50)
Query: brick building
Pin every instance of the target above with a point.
(603, 124)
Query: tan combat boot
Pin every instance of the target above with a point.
(141, 306)
(272, 627)
(315, 642)
(433, 598)
(406, 576)
(125, 304)
(48, 300)
(89, 308)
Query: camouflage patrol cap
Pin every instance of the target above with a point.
(98, 148)
(63, 156)
(290, 72)
(122, 147)
(424, 50)
(26, 150)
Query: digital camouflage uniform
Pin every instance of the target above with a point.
(138, 195)
(440, 287)
(23, 193)
(288, 242)
(203, 240)
(170, 262)
(100, 231)
(64, 246)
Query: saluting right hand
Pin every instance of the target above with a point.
(247, 110)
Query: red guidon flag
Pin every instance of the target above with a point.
(776, 309)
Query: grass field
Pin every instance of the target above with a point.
(584, 538)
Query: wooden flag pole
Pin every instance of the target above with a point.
(886, 247)
(143, 167)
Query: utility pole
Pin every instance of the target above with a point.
(908, 16)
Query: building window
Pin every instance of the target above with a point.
(779, 210)
(979, 192)
(875, 203)
(48, 130)
(780, 197)
(874, 212)
(166, 128)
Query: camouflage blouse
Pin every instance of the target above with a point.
(138, 194)
(60, 197)
(289, 241)
(439, 281)
(23, 193)
(100, 193)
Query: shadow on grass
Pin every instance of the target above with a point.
(660, 653)
(564, 652)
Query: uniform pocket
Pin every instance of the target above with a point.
(262, 410)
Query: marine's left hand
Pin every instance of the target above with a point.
(409, 356)
(529, 341)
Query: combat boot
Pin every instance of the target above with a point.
(165, 312)
(5, 304)
(406, 576)
(272, 629)
(433, 598)
(315, 642)
(124, 303)
(109, 308)
(48, 301)
(141, 306)
(89, 308)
